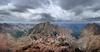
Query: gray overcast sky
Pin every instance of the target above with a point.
(51, 10)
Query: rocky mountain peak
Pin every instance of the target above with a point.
(43, 28)
(47, 35)
(49, 31)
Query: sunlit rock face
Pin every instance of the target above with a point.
(90, 39)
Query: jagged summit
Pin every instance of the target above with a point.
(49, 29)
(44, 27)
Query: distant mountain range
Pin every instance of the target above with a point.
(93, 19)
(10, 27)
(15, 30)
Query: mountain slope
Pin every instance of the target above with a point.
(90, 38)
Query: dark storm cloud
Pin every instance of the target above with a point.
(2, 12)
(3, 2)
(83, 8)
(65, 4)
(79, 6)
(79, 9)
(46, 17)
(18, 9)
(21, 5)
(69, 4)
(25, 4)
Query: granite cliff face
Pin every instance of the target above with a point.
(90, 38)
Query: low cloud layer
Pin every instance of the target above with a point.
(50, 10)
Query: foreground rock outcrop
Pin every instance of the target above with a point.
(5, 43)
